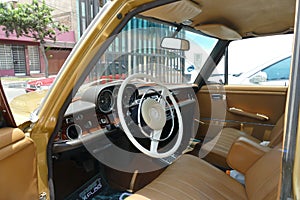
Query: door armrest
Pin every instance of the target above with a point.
(258, 116)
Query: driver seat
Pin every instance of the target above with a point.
(193, 178)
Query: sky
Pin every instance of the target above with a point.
(245, 54)
(251, 53)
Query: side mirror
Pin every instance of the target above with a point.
(175, 44)
(259, 77)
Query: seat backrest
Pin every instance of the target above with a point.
(18, 167)
(262, 179)
(277, 132)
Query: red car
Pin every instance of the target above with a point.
(45, 83)
(116, 71)
(39, 84)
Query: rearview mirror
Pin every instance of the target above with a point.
(175, 44)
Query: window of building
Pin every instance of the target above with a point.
(12, 60)
(88, 9)
(6, 58)
(18, 53)
(34, 59)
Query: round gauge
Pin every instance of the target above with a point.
(73, 131)
(129, 96)
(105, 101)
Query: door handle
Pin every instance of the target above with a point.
(239, 111)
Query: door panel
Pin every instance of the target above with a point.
(17, 165)
(262, 106)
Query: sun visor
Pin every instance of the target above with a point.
(219, 31)
(175, 12)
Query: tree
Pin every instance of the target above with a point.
(31, 20)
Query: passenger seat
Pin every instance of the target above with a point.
(192, 178)
(218, 148)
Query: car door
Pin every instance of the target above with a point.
(250, 106)
(18, 162)
(252, 109)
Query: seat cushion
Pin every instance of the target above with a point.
(219, 147)
(192, 178)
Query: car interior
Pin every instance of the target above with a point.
(17, 158)
(162, 133)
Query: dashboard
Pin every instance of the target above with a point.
(94, 114)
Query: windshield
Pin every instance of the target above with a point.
(137, 49)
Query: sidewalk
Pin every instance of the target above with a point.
(15, 82)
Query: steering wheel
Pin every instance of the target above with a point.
(154, 115)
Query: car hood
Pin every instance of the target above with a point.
(22, 106)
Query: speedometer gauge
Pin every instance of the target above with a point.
(105, 101)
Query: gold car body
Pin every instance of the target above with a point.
(101, 29)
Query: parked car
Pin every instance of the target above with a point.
(156, 135)
(39, 84)
(45, 83)
(275, 72)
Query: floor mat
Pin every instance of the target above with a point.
(97, 188)
(115, 196)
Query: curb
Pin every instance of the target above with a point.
(18, 84)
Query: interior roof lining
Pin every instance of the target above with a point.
(238, 15)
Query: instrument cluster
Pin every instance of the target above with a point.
(106, 100)
(94, 111)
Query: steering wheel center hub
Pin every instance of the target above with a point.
(154, 114)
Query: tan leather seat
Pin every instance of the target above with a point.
(17, 165)
(218, 149)
(193, 178)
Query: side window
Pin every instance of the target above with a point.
(279, 70)
(256, 61)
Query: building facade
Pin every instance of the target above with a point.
(87, 10)
(22, 56)
(126, 56)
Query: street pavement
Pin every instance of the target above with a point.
(13, 92)
(13, 89)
